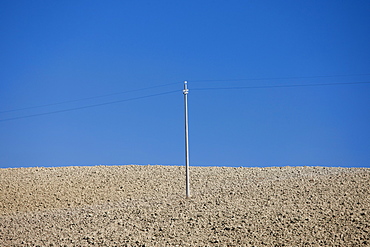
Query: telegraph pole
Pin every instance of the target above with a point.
(186, 91)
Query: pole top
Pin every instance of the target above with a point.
(186, 90)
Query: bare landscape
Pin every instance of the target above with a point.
(146, 206)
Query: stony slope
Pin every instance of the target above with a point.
(146, 206)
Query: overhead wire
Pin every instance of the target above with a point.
(88, 98)
(168, 84)
(278, 78)
(163, 93)
(89, 106)
(281, 86)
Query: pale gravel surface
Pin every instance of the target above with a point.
(146, 206)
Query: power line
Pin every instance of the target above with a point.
(170, 92)
(278, 78)
(163, 85)
(89, 106)
(281, 86)
(88, 98)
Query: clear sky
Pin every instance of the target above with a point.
(73, 52)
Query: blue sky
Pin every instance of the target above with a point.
(73, 52)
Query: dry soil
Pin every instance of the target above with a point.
(146, 206)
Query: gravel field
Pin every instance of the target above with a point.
(146, 206)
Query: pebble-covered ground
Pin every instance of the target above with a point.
(146, 206)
